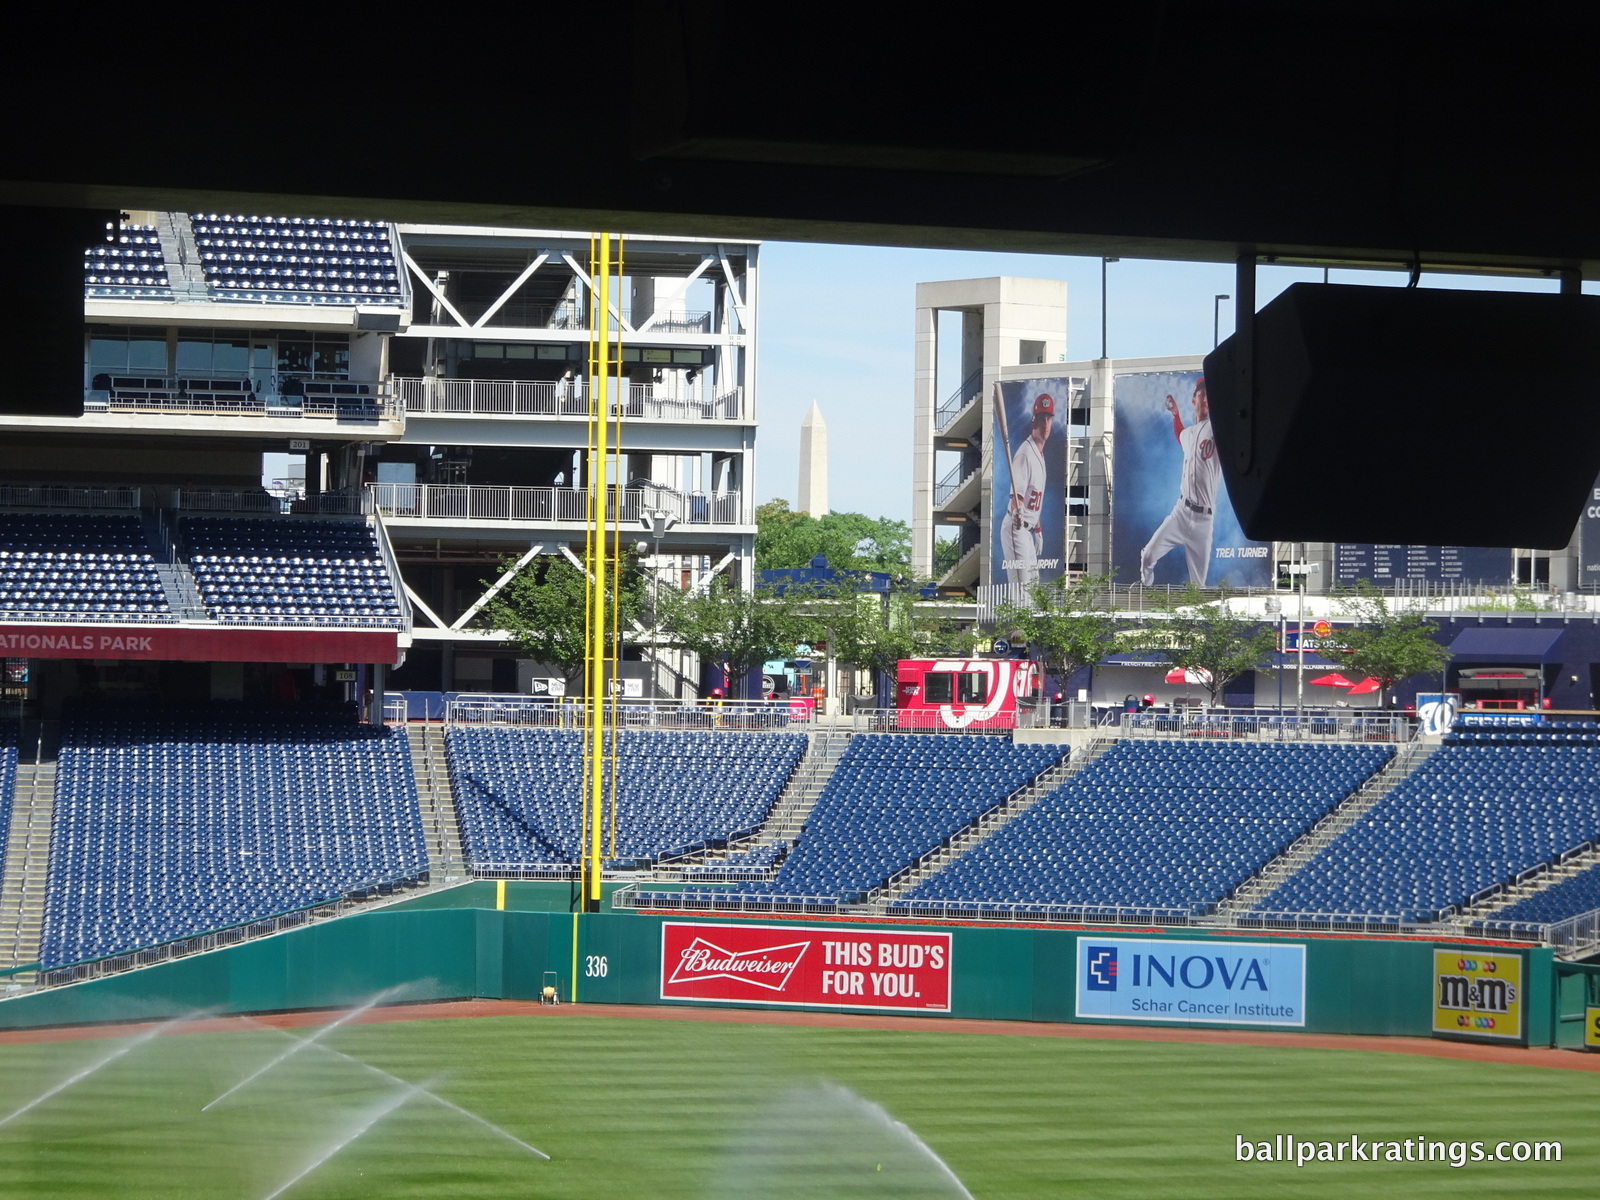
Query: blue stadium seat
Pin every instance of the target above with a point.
(1157, 825)
(519, 801)
(1480, 810)
(171, 822)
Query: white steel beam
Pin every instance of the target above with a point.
(494, 589)
(693, 275)
(411, 265)
(512, 290)
(418, 602)
(589, 283)
(733, 287)
(575, 561)
(705, 580)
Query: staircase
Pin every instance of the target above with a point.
(997, 818)
(1260, 885)
(793, 807)
(1529, 883)
(185, 274)
(436, 799)
(27, 857)
(177, 580)
(183, 597)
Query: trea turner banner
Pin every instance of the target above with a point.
(1172, 522)
(837, 967)
(1027, 499)
(1225, 983)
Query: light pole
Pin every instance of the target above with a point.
(656, 523)
(1104, 262)
(1216, 319)
(1274, 607)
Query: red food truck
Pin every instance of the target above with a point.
(982, 693)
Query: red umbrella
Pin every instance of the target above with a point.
(1333, 680)
(1362, 688)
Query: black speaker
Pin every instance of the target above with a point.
(1411, 415)
(41, 307)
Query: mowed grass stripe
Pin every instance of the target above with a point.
(636, 1108)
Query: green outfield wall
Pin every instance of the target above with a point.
(441, 948)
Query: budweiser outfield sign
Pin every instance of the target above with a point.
(839, 967)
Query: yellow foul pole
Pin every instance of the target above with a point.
(598, 616)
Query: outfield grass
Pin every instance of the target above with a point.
(642, 1108)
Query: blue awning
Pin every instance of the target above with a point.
(1498, 644)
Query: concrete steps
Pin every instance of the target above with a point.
(27, 867)
(185, 273)
(792, 807)
(436, 799)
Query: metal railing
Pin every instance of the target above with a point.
(1537, 872)
(1067, 914)
(1486, 599)
(304, 623)
(559, 398)
(952, 483)
(394, 709)
(1575, 934)
(525, 870)
(391, 565)
(358, 502)
(1331, 922)
(67, 495)
(952, 405)
(242, 395)
(1269, 725)
(541, 713)
(228, 500)
(354, 503)
(929, 720)
(31, 616)
(751, 902)
(548, 505)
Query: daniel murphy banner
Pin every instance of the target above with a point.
(838, 967)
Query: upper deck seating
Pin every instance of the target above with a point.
(78, 567)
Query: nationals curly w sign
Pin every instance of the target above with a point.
(831, 968)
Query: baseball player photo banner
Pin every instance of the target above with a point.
(1171, 519)
(1028, 497)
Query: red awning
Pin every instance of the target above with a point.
(1333, 680)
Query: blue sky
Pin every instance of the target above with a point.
(837, 328)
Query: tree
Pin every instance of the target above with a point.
(1387, 642)
(1207, 639)
(726, 626)
(875, 630)
(544, 609)
(946, 554)
(849, 541)
(1065, 622)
